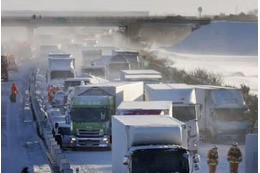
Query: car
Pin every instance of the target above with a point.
(58, 99)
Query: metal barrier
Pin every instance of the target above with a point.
(54, 153)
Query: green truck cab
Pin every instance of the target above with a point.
(90, 119)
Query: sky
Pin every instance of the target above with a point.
(155, 7)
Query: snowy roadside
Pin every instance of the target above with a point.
(223, 166)
(101, 162)
(20, 143)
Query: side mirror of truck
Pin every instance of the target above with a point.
(125, 160)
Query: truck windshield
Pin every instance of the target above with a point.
(61, 74)
(89, 114)
(184, 113)
(160, 161)
(231, 114)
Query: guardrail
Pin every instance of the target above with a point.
(54, 153)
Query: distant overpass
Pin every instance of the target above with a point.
(132, 21)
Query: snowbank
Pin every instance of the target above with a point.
(235, 70)
(221, 38)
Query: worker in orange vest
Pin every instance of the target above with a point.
(51, 94)
(14, 91)
(212, 159)
(48, 93)
(234, 157)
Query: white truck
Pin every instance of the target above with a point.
(90, 54)
(151, 143)
(95, 70)
(43, 54)
(147, 76)
(115, 64)
(131, 55)
(184, 106)
(60, 68)
(145, 108)
(224, 115)
(91, 107)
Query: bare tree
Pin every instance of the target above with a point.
(200, 11)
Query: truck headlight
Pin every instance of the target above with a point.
(72, 140)
(106, 140)
(195, 144)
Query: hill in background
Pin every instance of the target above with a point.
(221, 38)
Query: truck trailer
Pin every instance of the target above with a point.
(95, 70)
(90, 54)
(145, 108)
(60, 68)
(147, 76)
(151, 143)
(184, 107)
(91, 107)
(115, 64)
(224, 115)
(131, 55)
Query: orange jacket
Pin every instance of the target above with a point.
(14, 89)
(234, 155)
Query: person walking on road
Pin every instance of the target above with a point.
(212, 159)
(14, 91)
(57, 132)
(234, 157)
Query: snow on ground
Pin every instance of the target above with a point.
(235, 70)
(223, 47)
(101, 161)
(223, 166)
(221, 38)
(90, 161)
(20, 144)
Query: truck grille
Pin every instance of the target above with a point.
(91, 133)
(89, 143)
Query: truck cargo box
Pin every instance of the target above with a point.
(123, 91)
(134, 131)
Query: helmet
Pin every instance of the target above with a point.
(234, 144)
(214, 147)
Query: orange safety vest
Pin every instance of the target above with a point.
(212, 157)
(14, 89)
(48, 88)
(234, 155)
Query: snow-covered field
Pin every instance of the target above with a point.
(235, 70)
(227, 48)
